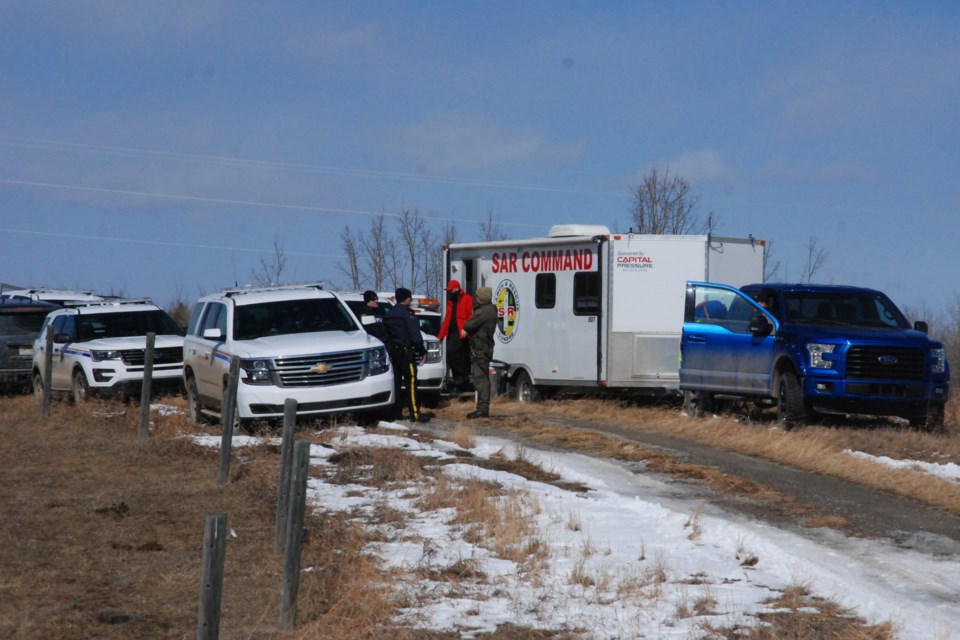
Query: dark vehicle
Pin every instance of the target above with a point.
(20, 323)
(810, 348)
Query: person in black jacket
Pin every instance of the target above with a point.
(371, 316)
(405, 344)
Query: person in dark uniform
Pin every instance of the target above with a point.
(405, 344)
(371, 316)
(458, 311)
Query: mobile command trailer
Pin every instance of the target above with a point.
(588, 309)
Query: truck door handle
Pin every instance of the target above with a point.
(695, 338)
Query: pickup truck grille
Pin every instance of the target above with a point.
(166, 355)
(307, 371)
(885, 363)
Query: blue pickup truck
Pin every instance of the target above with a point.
(808, 348)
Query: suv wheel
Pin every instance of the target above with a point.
(80, 390)
(193, 402)
(38, 386)
(791, 408)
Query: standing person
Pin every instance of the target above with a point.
(405, 344)
(459, 309)
(480, 329)
(371, 316)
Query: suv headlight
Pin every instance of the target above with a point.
(938, 360)
(817, 351)
(434, 352)
(378, 361)
(100, 356)
(258, 370)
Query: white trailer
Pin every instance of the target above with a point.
(590, 309)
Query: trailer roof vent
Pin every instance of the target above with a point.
(567, 230)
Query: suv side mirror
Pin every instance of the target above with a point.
(365, 320)
(921, 326)
(760, 326)
(213, 333)
(62, 338)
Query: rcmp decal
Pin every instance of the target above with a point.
(508, 308)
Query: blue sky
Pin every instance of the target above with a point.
(161, 148)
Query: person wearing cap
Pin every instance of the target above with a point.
(480, 329)
(405, 344)
(458, 311)
(371, 316)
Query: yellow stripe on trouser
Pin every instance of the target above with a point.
(414, 408)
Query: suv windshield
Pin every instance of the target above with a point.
(859, 309)
(253, 321)
(22, 323)
(93, 326)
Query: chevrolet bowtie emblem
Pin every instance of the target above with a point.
(320, 368)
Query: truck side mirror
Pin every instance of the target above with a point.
(760, 326)
(921, 326)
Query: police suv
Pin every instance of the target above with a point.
(293, 341)
(100, 347)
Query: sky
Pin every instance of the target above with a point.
(165, 149)
(627, 525)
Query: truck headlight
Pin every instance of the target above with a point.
(817, 351)
(100, 356)
(258, 371)
(938, 360)
(434, 352)
(378, 360)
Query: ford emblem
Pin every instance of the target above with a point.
(887, 359)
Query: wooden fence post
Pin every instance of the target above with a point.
(211, 584)
(291, 565)
(226, 414)
(283, 485)
(47, 371)
(145, 389)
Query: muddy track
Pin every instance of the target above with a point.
(870, 513)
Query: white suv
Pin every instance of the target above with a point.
(296, 341)
(61, 297)
(430, 371)
(100, 347)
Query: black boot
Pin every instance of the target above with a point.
(478, 414)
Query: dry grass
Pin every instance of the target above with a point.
(102, 535)
(818, 448)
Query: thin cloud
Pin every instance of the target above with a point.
(454, 141)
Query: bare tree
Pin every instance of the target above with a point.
(269, 272)
(771, 268)
(490, 229)
(351, 267)
(816, 257)
(378, 252)
(179, 308)
(414, 240)
(663, 204)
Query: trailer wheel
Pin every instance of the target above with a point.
(524, 389)
(791, 407)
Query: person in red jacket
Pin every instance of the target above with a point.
(459, 309)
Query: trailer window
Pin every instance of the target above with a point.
(586, 293)
(545, 296)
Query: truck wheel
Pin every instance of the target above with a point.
(524, 389)
(80, 390)
(932, 420)
(38, 386)
(791, 407)
(697, 403)
(193, 402)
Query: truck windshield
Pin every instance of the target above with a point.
(858, 309)
(291, 316)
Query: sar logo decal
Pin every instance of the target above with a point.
(508, 308)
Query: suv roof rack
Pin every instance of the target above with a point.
(107, 303)
(272, 287)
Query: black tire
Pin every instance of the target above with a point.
(38, 386)
(79, 389)
(194, 408)
(238, 424)
(933, 420)
(698, 403)
(524, 390)
(791, 407)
